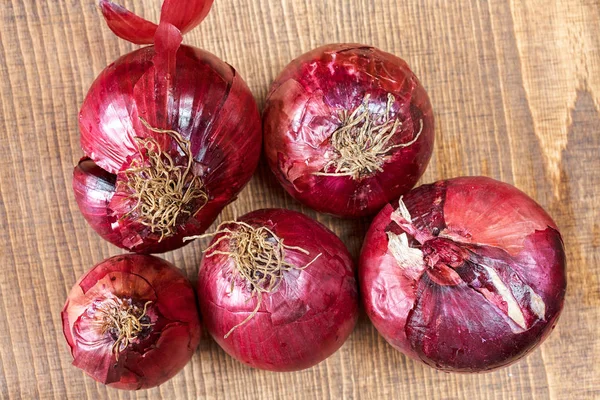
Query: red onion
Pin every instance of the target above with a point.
(348, 128)
(466, 275)
(132, 322)
(171, 135)
(277, 290)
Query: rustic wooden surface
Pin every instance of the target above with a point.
(516, 92)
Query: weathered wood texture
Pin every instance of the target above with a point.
(516, 92)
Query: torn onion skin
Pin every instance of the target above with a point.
(164, 304)
(305, 319)
(166, 118)
(328, 90)
(466, 274)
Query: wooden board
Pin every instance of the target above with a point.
(516, 92)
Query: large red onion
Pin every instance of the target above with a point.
(132, 322)
(277, 290)
(171, 135)
(348, 128)
(466, 275)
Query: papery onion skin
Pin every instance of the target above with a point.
(302, 112)
(149, 360)
(189, 91)
(481, 283)
(305, 320)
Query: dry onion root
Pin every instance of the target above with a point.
(165, 192)
(123, 320)
(362, 143)
(259, 257)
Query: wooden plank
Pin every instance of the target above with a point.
(516, 92)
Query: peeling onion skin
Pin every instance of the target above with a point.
(149, 360)
(209, 105)
(479, 281)
(302, 322)
(302, 112)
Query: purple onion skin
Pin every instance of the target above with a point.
(302, 112)
(305, 320)
(481, 282)
(209, 104)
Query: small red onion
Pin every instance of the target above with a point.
(171, 135)
(466, 275)
(348, 128)
(132, 322)
(277, 290)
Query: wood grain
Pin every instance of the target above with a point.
(516, 92)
